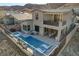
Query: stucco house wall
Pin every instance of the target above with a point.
(38, 22)
(28, 22)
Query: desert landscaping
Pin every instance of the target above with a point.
(72, 48)
(7, 48)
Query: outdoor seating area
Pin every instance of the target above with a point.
(34, 32)
(51, 33)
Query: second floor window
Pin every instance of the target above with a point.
(36, 16)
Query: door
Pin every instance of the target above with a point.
(37, 28)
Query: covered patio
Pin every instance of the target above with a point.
(51, 33)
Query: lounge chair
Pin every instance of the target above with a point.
(34, 33)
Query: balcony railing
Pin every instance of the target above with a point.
(48, 22)
(64, 23)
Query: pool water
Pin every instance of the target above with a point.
(35, 42)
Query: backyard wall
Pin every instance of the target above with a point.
(28, 22)
(69, 36)
(64, 42)
(17, 26)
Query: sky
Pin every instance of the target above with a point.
(23, 2)
(11, 4)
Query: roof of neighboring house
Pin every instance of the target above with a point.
(55, 10)
(22, 16)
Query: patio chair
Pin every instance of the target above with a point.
(46, 33)
(51, 35)
(34, 33)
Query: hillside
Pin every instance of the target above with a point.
(70, 5)
(29, 7)
(33, 6)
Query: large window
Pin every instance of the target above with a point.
(56, 18)
(26, 27)
(37, 28)
(36, 16)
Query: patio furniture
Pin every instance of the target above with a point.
(51, 35)
(46, 33)
(34, 33)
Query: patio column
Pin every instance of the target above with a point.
(41, 31)
(58, 35)
(60, 20)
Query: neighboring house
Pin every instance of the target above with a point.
(56, 22)
(17, 20)
(8, 20)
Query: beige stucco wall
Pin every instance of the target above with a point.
(38, 22)
(69, 36)
(27, 23)
(66, 16)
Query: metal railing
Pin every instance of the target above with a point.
(48, 22)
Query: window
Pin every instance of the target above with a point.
(25, 27)
(28, 27)
(36, 16)
(37, 28)
(56, 17)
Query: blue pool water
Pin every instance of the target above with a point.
(37, 44)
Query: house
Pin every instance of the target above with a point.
(56, 22)
(53, 26)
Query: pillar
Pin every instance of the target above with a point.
(41, 31)
(58, 35)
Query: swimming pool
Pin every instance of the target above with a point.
(34, 42)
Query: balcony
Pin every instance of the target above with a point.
(49, 22)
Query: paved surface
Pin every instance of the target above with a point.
(72, 49)
(7, 48)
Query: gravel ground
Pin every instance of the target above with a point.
(7, 48)
(72, 49)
